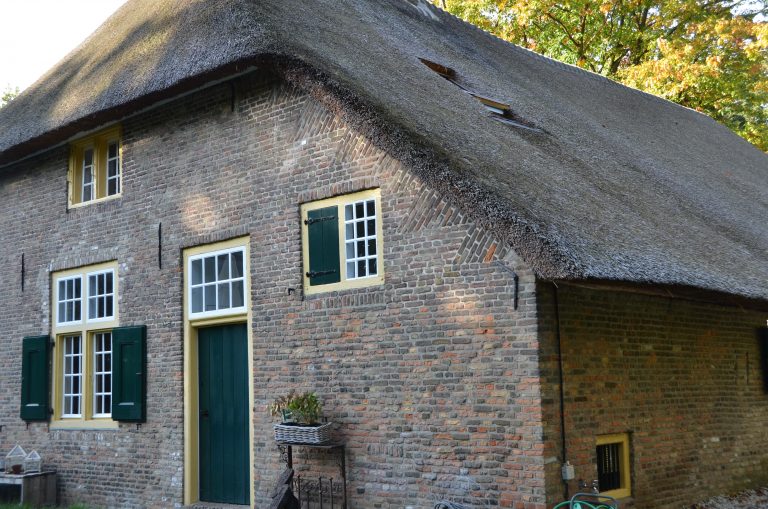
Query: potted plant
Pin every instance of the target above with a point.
(301, 414)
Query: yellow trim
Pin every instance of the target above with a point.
(99, 142)
(191, 326)
(626, 475)
(340, 201)
(85, 330)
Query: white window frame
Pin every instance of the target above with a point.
(117, 176)
(190, 286)
(65, 341)
(69, 301)
(87, 306)
(365, 238)
(102, 373)
(88, 169)
(341, 202)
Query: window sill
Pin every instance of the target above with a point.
(92, 202)
(344, 285)
(79, 425)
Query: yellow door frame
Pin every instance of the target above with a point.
(191, 326)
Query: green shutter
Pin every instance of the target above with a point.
(763, 338)
(323, 231)
(129, 368)
(35, 376)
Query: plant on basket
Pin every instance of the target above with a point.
(301, 414)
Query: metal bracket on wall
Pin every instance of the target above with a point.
(516, 283)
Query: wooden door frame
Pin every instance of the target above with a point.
(191, 381)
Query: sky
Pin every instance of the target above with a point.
(35, 34)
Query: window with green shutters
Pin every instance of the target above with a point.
(342, 242)
(84, 309)
(35, 378)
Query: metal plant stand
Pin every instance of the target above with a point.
(317, 487)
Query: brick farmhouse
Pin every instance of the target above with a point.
(487, 265)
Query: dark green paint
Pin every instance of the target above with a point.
(323, 231)
(223, 402)
(129, 367)
(35, 377)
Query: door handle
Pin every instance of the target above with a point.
(204, 413)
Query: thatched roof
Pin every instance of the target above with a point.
(618, 185)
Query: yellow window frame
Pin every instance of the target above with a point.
(86, 330)
(340, 202)
(99, 142)
(626, 475)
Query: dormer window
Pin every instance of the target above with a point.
(95, 171)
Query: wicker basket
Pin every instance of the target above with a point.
(293, 434)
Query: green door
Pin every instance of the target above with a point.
(224, 445)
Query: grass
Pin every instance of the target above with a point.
(17, 506)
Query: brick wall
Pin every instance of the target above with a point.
(683, 378)
(433, 376)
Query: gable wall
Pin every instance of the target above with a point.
(682, 378)
(433, 376)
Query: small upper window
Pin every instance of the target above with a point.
(613, 465)
(95, 169)
(342, 242)
(217, 282)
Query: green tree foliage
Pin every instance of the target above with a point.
(8, 95)
(710, 55)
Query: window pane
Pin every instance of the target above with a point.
(112, 187)
(61, 317)
(238, 300)
(348, 213)
(210, 270)
(359, 210)
(88, 157)
(100, 279)
(350, 249)
(110, 310)
(210, 297)
(360, 229)
(62, 290)
(112, 150)
(77, 316)
(371, 227)
(223, 266)
(372, 267)
(78, 290)
(361, 268)
(197, 272)
(92, 308)
(237, 264)
(197, 300)
(350, 232)
(223, 296)
(371, 208)
(371, 247)
(70, 292)
(361, 248)
(351, 272)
